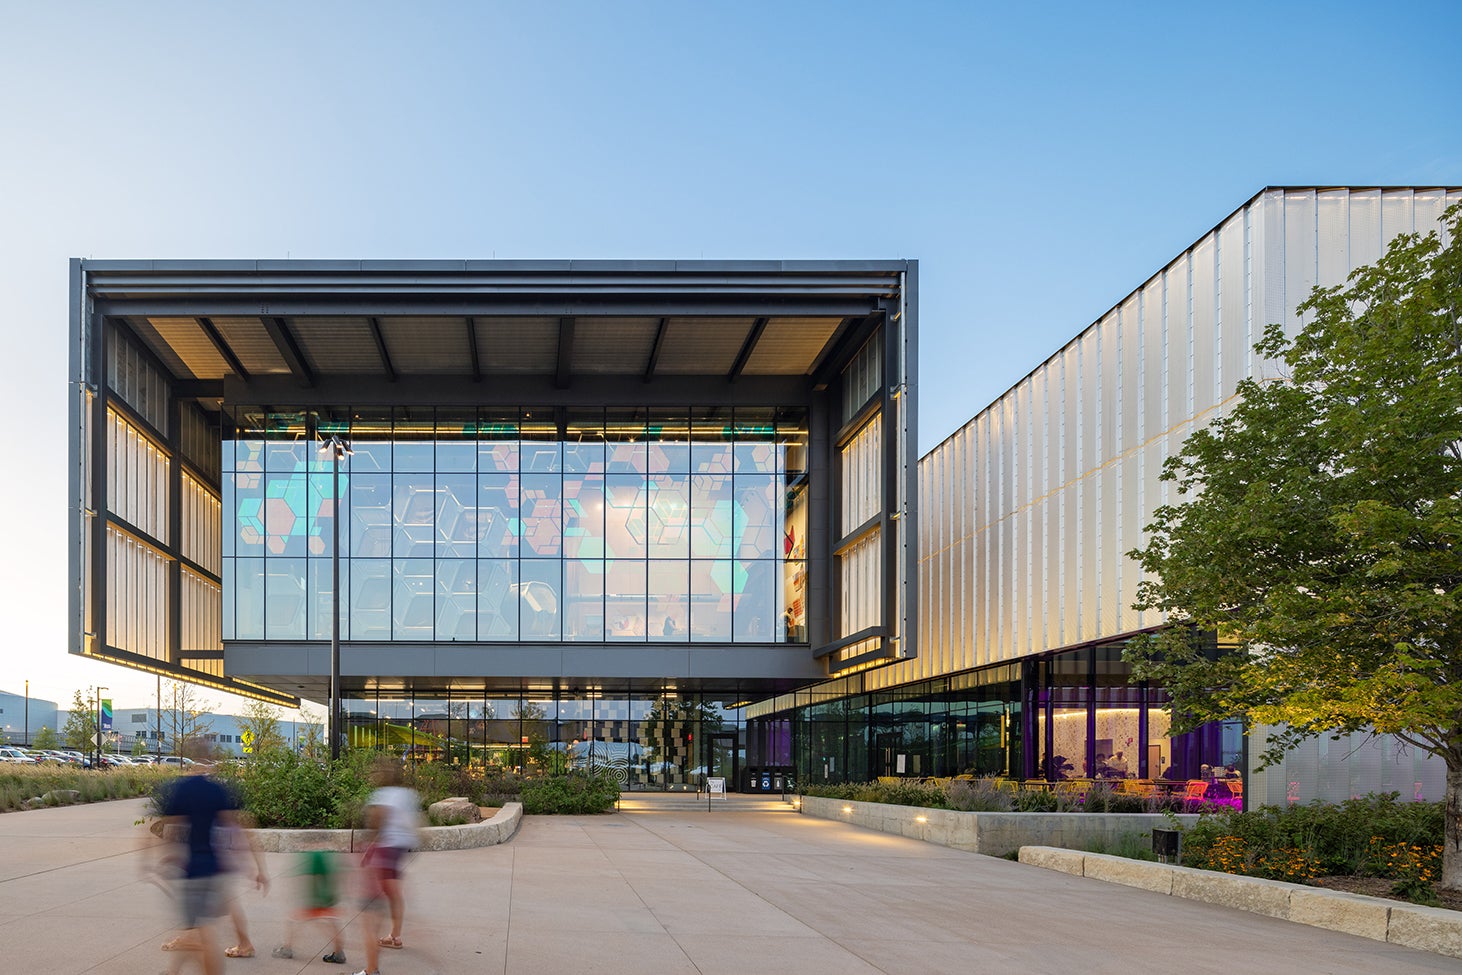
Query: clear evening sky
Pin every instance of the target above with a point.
(1040, 160)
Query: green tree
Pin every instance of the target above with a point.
(45, 739)
(1323, 527)
(79, 731)
(139, 745)
(260, 721)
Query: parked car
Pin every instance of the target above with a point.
(175, 761)
(15, 756)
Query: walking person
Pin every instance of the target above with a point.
(393, 811)
(200, 810)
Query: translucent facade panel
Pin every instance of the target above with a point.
(713, 584)
(624, 600)
(497, 599)
(583, 600)
(284, 599)
(757, 517)
(370, 519)
(498, 525)
(583, 516)
(540, 599)
(713, 514)
(248, 595)
(413, 599)
(414, 515)
(626, 507)
(137, 598)
(133, 378)
(755, 614)
(668, 592)
(456, 520)
(541, 502)
(1204, 314)
(863, 377)
(668, 520)
(862, 476)
(137, 478)
(370, 599)
(201, 517)
(321, 597)
(862, 589)
(456, 599)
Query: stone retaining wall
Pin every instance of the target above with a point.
(490, 832)
(1427, 928)
(991, 833)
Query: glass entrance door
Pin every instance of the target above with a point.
(725, 759)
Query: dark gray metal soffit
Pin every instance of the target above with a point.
(561, 319)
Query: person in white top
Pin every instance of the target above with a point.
(393, 811)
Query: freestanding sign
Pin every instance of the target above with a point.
(716, 787)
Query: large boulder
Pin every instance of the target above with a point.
(455, 810)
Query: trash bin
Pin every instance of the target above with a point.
(1167, 844)
(766, 782)
(777, 782)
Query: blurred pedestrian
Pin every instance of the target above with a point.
(394, 812)
(199, 812)
(320, 897)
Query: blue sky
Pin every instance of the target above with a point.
(1039, 160)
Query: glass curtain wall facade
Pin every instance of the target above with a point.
(1059, 716)
(650, 737)
(626, 525)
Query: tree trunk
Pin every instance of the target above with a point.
(1452, 831)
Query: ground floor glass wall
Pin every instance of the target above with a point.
(1067, 715)
(648, 738)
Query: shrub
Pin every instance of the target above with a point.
(285, 790)
(978, 795)
(1375, 836)
(572, 794)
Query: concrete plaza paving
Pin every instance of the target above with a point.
(750, 888)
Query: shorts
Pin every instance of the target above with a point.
(199, 899)
(387, 862)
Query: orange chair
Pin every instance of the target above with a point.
(1197, 788)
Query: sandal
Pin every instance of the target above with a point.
(389, 942)
(335, 958)
(180, 943)
(237, 952)
(283, 951)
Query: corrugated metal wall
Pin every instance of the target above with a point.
(1029, 509)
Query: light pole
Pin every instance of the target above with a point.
(338, 450)
(97, 762)
(27, 714)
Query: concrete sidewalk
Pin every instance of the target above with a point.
(749, 888)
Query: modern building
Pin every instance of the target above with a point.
(668, 516)
(1026, 513)
(21, 716)
(586, 508)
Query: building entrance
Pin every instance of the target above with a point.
(725, 760)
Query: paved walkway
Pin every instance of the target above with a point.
(748, 889)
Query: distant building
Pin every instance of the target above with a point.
(223, 731)
(21, 717)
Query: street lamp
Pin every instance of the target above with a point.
(27, 714)
(338, 450)
(97, 762)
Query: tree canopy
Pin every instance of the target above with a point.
(1321, 524)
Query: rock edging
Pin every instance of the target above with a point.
(1431, 929)
(490, 832)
